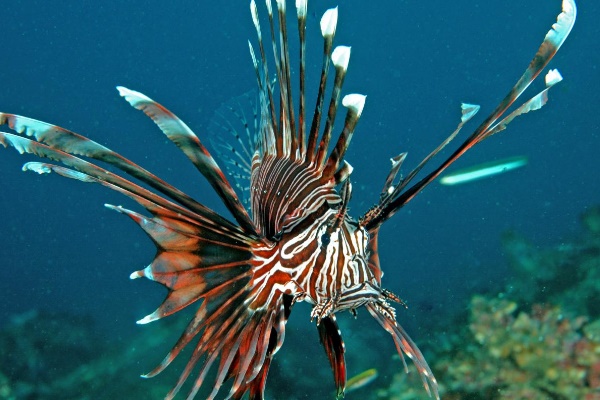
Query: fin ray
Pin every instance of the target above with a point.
(405, 345)
(180, 134)
(61, 139)
(550, 45)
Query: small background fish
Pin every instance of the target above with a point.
(482, 171)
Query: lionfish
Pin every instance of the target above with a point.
(298, 243)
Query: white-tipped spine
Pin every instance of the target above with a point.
(36, 167)
(329, 22)
(136, 275)
(354, 102)
(132, 97)
(146, 320)
(301, 7)
(341, 57)
(281, 5)
(468, 111)
(269, 8)
(146, 272)
(349, 167)
(553, 77)
(254, 13)
(254, 60)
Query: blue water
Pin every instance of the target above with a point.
(416, 61)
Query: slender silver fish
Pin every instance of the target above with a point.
(484, 170)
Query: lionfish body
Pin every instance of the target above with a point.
(298, 243)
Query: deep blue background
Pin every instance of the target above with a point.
(416, 61)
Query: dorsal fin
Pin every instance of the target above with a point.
(301, 8)
(346, 195)
(355, 104)
(340, 58)
(282, 135)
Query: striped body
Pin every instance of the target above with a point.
(298, 242)
(324, 254)
(330, 263)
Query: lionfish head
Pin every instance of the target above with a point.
(342, 274)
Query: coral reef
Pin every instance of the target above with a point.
(537, 338)
(567, 274)
(29, 346)
(46, 356)
(541, 353)
(508, 353)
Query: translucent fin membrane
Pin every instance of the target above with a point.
(180, 134)
(234, 137)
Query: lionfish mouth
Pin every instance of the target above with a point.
(246, 275)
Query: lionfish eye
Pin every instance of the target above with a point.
(325, 239)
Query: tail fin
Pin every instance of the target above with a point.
(398, 197)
